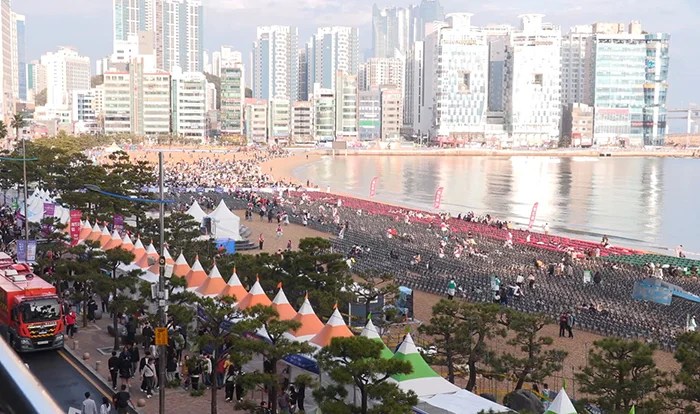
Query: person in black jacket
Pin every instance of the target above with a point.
(91, 308)
(135, 357)
(148, 334)
(300, 395)
(113, 365)
(125, 370)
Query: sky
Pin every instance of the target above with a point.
(87, 24)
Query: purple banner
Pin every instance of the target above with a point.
(49, 209)
(118, 223)
(26, 253)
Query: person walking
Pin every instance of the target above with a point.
(563, 320)
(113, 365)
(279, 232)
(261, 241)
(91, 309)
(105, 407)
(70, 317)
(121, 400)
(570, 320)
(451, 289)
(89, 406)
(148, 374)
(230, 381)
(135, 358)
(301, 394)
(125, 370)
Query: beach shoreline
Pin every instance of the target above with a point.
(559, 153)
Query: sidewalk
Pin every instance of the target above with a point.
(96, 341)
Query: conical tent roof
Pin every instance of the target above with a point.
(196, 212)
(423, 380)
(181, 267)
(113, 242)
(370, 331)
(85, 230)
(168, 257)
(95, 233)
(282, 306)
(151, 251)
(196, 276)
(561, 404)
(225, 224)
(138, 249)
(256, 296)
(145, 262)
(127, 244)
(334, 328)
(213, 285)
(105, 237)
(234, 288)
(310, 324)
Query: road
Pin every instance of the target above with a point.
(64, 379)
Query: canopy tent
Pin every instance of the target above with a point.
(168, 258)
(282, 306)
(196, 212)
(423, 380)
(114, 241)
(95, 233)
(370, 331)
(145, 262)
(256, 296)
(151, 251)
(138, 249)
(85, 230)
(105, 237)
(460, 402)
(181, 267)
(127, 244)
(225, 224)
(334, 328)
(113, 148)
(196, 276)
(561, 404)
(310, 324)
(234, 288)
(151, 275)
(213, 285)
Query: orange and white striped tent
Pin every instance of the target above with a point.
(145, 262)
(334, 328)
(196, 276)
(282, 306)
(95, 233)
(234, 288)
(105, 237)
(85, 230)
(310, 324)
(151, 251)
(138, 249)
(256, 296)
(114, 241)
(181, 267)
(213, 285)
(168, 258)
(127, 244)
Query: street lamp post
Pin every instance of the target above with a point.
(161, 279)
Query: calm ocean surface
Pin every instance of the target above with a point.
(649, 203)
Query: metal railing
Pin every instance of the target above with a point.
(20, 391)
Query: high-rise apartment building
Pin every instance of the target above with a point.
(532, 92)
(232, 99)
(36, 79)
(83, 108)
(391, 109)
(427, 12)
(302, 121)
(417, 115)
(188, 104)
(656, 88)
(19, 57)
(117, 102)
(456, 80)
(128, 18)
(275, 63)
(226, 57)
(324, 113)
(497, 37)
(66, 71)
(331, 50)
(369, 115)
(303, 75)
(346, 101)
(382, 71)
(256, 120)
(573, 64)
(280, 120)
(395, 28)
(7, 78)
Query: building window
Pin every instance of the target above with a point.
(464, 82)
(538, 79)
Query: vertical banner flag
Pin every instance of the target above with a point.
(31, 251)
(438, 198)
(49, 209)
(75, 216)
(373, 187)
(118, 223)
(21, 250)
(533, 214)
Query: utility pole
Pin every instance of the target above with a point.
(163, 351)
(26, 207)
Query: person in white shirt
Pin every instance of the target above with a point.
(546, 229)
(692, 325)
(106, 406)
(519, 281)
(89, 406)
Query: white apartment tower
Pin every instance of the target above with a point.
(188, 104)
(532, 92)
(331, 50)
(414, 97)
(66, 71)
(275, 63)
(573, 64)
(456, 80)
(382, 71)
(346, 106)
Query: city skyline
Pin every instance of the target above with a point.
(46, 22)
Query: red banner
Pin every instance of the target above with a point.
(75, 216)
(438, 198)
(533, 214)
(373, 187)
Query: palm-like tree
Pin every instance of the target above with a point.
(18, 122)
(3, 130)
